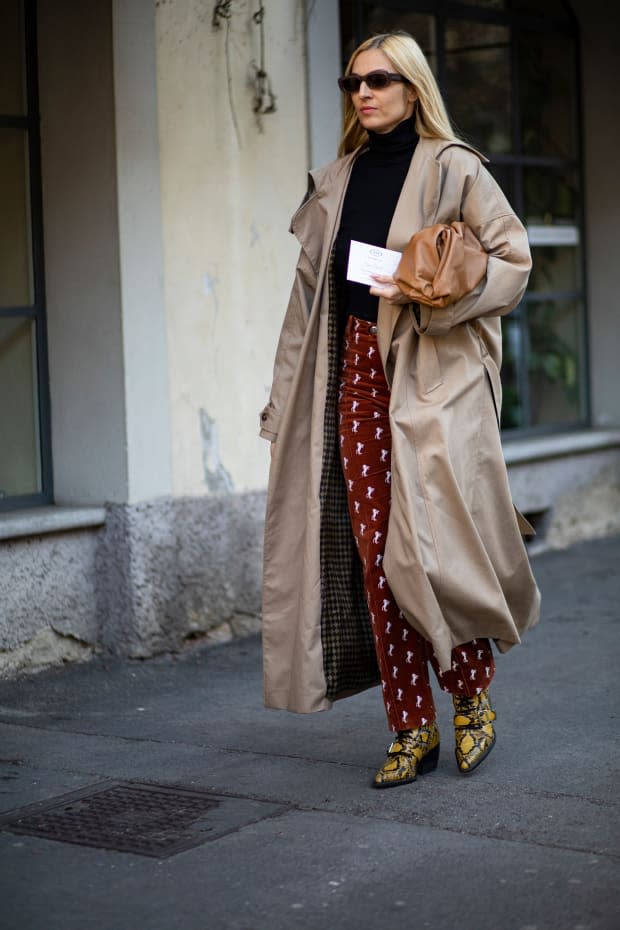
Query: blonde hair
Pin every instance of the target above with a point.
(406, 56)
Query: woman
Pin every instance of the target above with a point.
(390, 536)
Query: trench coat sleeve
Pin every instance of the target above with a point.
(289, 345)
(487, 212)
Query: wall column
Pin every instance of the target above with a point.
(141, 251)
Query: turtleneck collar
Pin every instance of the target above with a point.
(401, 139)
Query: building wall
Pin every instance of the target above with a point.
(168, 266)
(230, 184)
(48, 599)
(135, 383)
(138, 381)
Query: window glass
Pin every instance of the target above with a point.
(504, 175)
(379, 18)
(547, 94)
(488, 4)
(20, 471)
(13, 83)
(15, 244)
(551, 196)
(555, 268)
(552, 9)
(478, 82)
(513, 412)
(25, 467)
(555, 339)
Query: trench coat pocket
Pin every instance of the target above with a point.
(428, 367)
(268, 423)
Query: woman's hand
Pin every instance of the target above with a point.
(388, 289)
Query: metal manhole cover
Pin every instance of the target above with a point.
(149, 820)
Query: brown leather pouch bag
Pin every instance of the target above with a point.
(441, 264)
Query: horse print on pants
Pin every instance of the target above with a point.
(365, 453)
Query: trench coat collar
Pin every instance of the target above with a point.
(330, 184)
(416, 208)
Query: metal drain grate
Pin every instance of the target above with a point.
(149, 820)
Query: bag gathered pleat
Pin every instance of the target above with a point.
(440, 264)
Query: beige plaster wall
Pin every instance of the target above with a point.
(229, 188)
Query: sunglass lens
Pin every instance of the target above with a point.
(350, 84)
(377, 81)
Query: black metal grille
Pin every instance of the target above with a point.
(148, 820)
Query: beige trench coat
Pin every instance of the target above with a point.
(454, 556)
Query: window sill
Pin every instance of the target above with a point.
(40, 520)
(520, 451)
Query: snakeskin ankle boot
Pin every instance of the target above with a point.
(413, 752)
(473, 730)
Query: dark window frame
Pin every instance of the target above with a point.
(30, 123)
(516, 162)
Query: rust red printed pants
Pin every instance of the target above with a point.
(365, 453)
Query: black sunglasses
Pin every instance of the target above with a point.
(375, 80)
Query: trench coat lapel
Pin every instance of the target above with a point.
(416, 207)
(419, 196)
(331, 189)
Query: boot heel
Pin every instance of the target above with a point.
(429, 762)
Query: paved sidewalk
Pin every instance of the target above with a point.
(298, 839)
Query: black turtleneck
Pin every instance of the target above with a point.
(376, 180)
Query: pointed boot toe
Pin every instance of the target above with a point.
(413, 753)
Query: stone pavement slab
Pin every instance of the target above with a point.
(531, 841)
(312, 869)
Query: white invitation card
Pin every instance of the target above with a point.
(366, 260)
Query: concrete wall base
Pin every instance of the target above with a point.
(46, 648)
(169, 574)
(587, 512)
(569, 498)
(174, 570)
(156, 578)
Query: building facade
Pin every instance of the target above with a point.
(151, 155)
